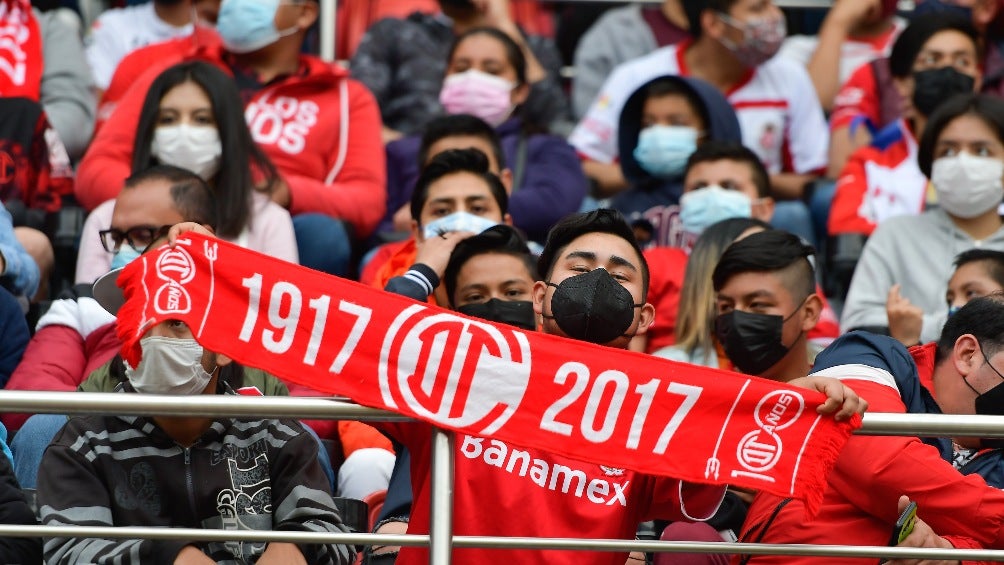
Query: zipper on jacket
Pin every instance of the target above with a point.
(189, 483)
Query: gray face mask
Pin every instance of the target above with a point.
(169, 366)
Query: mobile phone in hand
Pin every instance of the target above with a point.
(904, 526)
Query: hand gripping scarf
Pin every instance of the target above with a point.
(608, 406)
(21, 61)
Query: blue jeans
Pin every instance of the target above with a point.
(29, 445)
(819, 206)
(793, 216)
(324, 243)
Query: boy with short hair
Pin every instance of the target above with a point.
(978, 272)
(455, 197)
(766, 303)
(724, 180)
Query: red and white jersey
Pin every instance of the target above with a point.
(777, 107)
(879, 181)
(505, 490)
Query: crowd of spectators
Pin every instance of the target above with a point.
(821, 208)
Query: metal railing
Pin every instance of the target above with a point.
(441, 540)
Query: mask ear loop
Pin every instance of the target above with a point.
(987, 361)
(801, 333)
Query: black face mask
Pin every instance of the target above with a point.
(934, 86)
(592, 307)
(752, 342)
(517, 313)
(991, 403)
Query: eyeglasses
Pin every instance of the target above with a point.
(139, 237)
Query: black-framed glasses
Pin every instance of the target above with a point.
(139, 237)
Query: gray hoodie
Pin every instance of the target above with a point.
(916, 252)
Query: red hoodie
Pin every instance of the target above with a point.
(320, 129)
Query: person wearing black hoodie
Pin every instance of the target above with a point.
(661, 124)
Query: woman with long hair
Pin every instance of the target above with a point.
(193, 118)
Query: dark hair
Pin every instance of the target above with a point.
(983, 318)
(696, 317)
(921, 28)
(192, 197)
(456, 161)
(573, 226)
(770, 251)
(457, 125)
(675, 86)
(513, 53)
(993, 262)
(500, 239)
(986, 107)
(241, 161)
(713, 150)
(695, 8)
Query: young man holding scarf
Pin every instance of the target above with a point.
(594, 288)
(767, 303)
(599, 281)
(320, 128)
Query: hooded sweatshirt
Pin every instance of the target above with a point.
(550, 180)
(917, 252)
(320, 129)
(657, 199)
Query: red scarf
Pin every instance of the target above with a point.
(20, 51)
(603, 405)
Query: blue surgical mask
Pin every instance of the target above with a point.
(663, 151)
(248, 25)
(125, 255)
(705, 206)
(457, 221)
(952, 310)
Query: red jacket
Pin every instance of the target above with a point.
(879, 181)
(75, 337)
(320, 128)
(505, 490)
(860, 503)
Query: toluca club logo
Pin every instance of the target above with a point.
(760, 449)
(176, 268)
(449, 369)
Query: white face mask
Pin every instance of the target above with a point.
(196, 148)
(169, 366)
(968, 186)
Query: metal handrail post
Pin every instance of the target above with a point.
(441, 520)
(328, 27)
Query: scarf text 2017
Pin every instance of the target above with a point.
(617, 408)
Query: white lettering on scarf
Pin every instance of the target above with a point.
(552, 476)
(760, 449)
